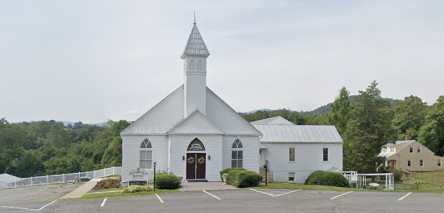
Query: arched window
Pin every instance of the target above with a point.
(200, 65)
(192, 65)
(146, 154)
(237, 154)
(196, 145)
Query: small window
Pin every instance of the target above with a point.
(421, 163)
(439, 162)
(291, 154)
(192, 65)
(418, 149)
(411, 149)
(392, 149)
(291, 176)
(409, 163)
(325, 154)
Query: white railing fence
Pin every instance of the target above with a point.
(64, 178)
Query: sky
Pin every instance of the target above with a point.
(94, 60)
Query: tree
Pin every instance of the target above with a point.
(340, 111)
(368, 129)
(432, 133)
(409, 117)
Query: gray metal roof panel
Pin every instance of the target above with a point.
(299, 133)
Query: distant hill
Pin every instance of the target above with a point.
(325, 108)
(66, 123)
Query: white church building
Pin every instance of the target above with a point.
(193, 133)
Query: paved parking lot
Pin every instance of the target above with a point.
(253, 200)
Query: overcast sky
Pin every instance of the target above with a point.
(90, 61)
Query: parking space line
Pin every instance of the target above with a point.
(263, 192)
(212, 195)
(46, 205)
(340, 195)
(286, 193)
(160, 199)
(402, 198)
(103, 203)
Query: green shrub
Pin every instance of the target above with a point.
(247, 179)
(137, 188)
(326, 178)
(232, 176)
(167, 181)
(228, 170)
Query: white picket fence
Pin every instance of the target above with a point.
(64, 178)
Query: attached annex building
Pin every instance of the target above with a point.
(193, 133)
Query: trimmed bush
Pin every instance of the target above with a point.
(137, 188)
(107, 184)
(228, 170)
(232, 176)
(167, 181)
(326, 178)
(247, 179)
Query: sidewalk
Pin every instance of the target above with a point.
(199, 186)
(82, 190)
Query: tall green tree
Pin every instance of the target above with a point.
(340, 111)
(409, 117)
(432, 133)
(368, 129)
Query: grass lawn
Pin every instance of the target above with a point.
(118, 194)
(278, 185)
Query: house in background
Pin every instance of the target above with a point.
(410, 155)
(295, 151)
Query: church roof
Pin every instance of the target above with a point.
(299, 133)
(196, 123)
(195, 45)
(278, 120)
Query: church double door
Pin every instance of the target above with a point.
(196, 166)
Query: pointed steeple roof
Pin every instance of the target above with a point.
(195, 45)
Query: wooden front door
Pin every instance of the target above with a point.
(196, 165)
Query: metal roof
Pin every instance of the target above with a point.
(278, 120)
(195, 45)
(299, 133)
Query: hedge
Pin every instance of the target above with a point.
(326, 178)
(241, 178)
(167, 181)
(137, 188)
(247, 179)
(228, 170)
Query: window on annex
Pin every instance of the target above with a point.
(237, 154)
(291, 156)
(409, 163)
(411, 149)
(146, 154)
(392, 149)
(418, 149)
(421, 163)
(439, 162)
(325, 154)
(291, 176)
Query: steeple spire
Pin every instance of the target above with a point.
(195, 45)
(194, 18)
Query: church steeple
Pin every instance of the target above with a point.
(195, 45)
(195, 70)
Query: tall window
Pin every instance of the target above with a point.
(291, 155)
(146, 154)
(325, 154)
(237, 154)
(418, 149)
(411, 149)
(421, 163)
(409, 163)
(200, 65)
(439, 162)
(392, 149)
